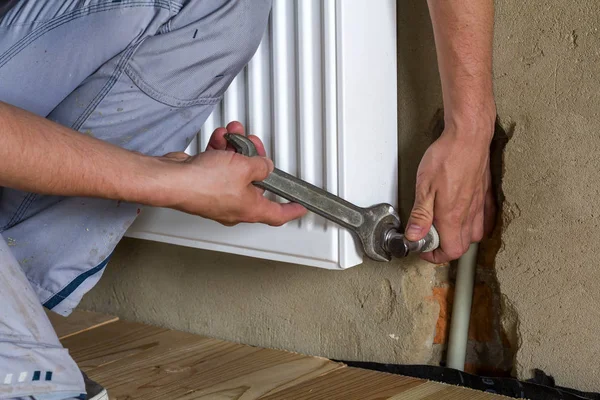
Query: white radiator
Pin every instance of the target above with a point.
(321, 94)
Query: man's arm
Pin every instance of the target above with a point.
(40, 156)
(453, 179)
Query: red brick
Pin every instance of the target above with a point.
(481, 328)
(483, 370)
(443, 296)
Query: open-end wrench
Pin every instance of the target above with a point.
(378, 227)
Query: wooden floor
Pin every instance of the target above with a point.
(136, 361)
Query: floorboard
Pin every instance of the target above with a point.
(137, 361)
(78, 321)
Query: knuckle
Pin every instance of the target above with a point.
(262, 170)
(477, 235)
(455, 252)
(228, 222)
(251, 216)
(423, 192)
(454, 218)
(421, 213)
(279, 221)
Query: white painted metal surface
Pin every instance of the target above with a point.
(321, 94)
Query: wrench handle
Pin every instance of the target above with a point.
(315, 199)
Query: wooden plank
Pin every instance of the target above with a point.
(349, 384)
(77, 322)
(135, 361)
(356, 384)
(440, 391)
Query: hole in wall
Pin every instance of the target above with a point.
(492, 329)
(497, 356)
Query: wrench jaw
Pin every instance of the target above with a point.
(377, 227)
(373, 233)
(242, 144)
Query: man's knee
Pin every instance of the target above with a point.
(207, 45)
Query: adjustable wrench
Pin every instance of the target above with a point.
(378, 227)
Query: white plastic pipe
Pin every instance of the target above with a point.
(461, 310)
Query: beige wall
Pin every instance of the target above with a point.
(547, 74)
(547, 81)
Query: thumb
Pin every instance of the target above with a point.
(421, 217)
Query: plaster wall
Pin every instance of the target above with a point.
(547, 71)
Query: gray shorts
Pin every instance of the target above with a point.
(142, 74)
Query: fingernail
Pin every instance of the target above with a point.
(414, 229)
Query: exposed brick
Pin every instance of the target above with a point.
(481, 328)
(482, 370)
(443, 295)
(471, 368)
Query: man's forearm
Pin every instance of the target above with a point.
(40, 156)
(464, 34)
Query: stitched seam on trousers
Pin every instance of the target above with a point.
(63, 19)
(165, 98)
(175, 7)
(41, 22)
(107, 86)
(25, 204)
(31, 198)
(21, 205)
(18, 210)
(45, 28)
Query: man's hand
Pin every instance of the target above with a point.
(454, 193)
(40, 156)
(217, 184)
(453, 182)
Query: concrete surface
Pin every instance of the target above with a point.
(547, 70)
(376, 312)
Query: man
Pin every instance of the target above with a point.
(99, 98)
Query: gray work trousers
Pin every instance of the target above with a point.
(141, 74)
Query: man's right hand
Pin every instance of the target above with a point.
(40, 156)
(217, 184)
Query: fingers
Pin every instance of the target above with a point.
(259, 168)
(489, 211)
(477, 227)
(421, 216)
(277, 214)
(236, 127)
(218, 142)
(474, 226)
(260, 148)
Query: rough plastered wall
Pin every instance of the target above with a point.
(374, 312)
(396, 312)
(547, 82)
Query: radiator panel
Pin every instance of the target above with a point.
(291, 95)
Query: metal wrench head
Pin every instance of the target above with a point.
(241, 144)
(373, 233)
